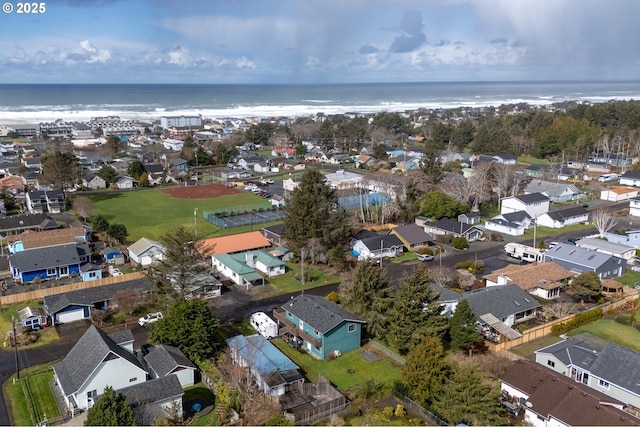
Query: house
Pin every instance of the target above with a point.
(154, 399)
(248, 267)
(545, 280)
(273, 371)
(234, 243)
(505, 159)
(630, 178)
(368, 245)
(155, 173)
(564, 217)
(618, 194)
(341, 180)
(412, 236)
(274, 234)
(603, 366)
(112, 255)
(581, 260)
(76, 305)
(16, 224)
(13, 185)
(534, 204)
(89, 272)
(277, 201)
(446, 226)
(164, 360)
(556, 192)
(146, 251)
(470, 218)
(96, 361)
(52, 262)
(44, 201)
(631, 238)
(34, 318)
(321, 327)
(634, 206)
(124, 182)
(38, 239)
(513, 224)
(92, 181)
(552, 400)
(610, 248)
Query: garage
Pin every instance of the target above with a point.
(73, 314)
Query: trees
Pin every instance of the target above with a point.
(136, 169)
(463, 328)
(189, 326)
(118, 232)
(311, 212)
(604, 219)
(184, 261)
(425, 370)
(60, 169)
(460, 242)
(414, 313)
(99, 223)
(431, 164)
(113, 145)
(470, 398)
(111, 409)
(586, 285)
(437, 205)
(107, 173)
(83, 206)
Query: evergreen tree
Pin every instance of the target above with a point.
(135, 169)
(114, 145)
(99, 224)
(431, 163)
(425, 370)
(107, 173)
(463, 328)
(189, 326)
(415, 312)
(61, 169)
(587, 285)
(118, 232)
(467, 397)
(111, 409)
(311, 212)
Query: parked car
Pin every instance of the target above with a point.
(425, 257)
(150, 318)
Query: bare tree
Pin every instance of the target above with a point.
(316, 251)
(466, 280)
(559, 310)
(443, 276)
(83, 207)
(604, 219)
(127, 300)
(98, 316)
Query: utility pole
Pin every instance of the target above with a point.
(302, 265)
(15, 346)
(195, 221)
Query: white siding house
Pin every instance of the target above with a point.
(534, 204)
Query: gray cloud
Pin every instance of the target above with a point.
(368, 48)
(412, 37)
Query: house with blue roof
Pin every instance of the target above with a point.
(321, 327)
(273, 370)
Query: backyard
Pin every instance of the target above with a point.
(30, 399)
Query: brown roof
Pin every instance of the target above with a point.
(235, 243)
(552, 394)
(38, 239)
(623, 190)
(542, 275)
(611, 284)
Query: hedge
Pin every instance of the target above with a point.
(576, 322)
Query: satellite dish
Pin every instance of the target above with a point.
(528, 404)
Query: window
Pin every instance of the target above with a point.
(92, 274)
(92, 394)
(603, 384)
(51, 271)
(551, 363)
(352, 327)
(316, 333)
(134, 379)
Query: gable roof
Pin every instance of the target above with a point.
(378, 241)
(563, 214)
(451, 226)
(542, 275)
(605, 245)
(152, 391)
(21, 222)
(232, 243)
(579, 256)
(85, 356)
(514, 217)
(46, 257)
(319, 313)
(532, 198)
(36, 239)
(90, 296)
(501, 301)
(411, 233)
(631, 175)
(551, 394)
(163, 359)
(142, 245)
(550, 189)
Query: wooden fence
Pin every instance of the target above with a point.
(41, 293)
(544, 330)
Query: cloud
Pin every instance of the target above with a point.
(367, 49)
(412, 37)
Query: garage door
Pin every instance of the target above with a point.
(70, 316)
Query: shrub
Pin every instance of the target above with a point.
(473, 266)
(496, 237)
(576, 322)
(387, 411)
(399, 412)
(334, 297)
(443, 238)
(460, 243)
(426, 251)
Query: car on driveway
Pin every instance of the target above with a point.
(150, 318)
(425, 257)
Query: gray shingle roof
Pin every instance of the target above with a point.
(578, 256)
(386, 242)
(15, 222)
(46, 257)
(90, 296)
(319, 313)
(501, 301)
(163, 359)
(90, 350)
(451, 225)
(515, 217)
(631, 175)
(572, 352)
(412, 233)
(551, 189)
(619, 366)
(532, 198)
(562, 214)
(155, 390)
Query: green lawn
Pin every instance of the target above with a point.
(405, 256)
(543, 232)
(45, 336)
(532, 160)
(631, 278)
(613, 331)
(381, 371)
(204, 396)
(288, 282)
(150, 213)
(526, 350)
(30, 398)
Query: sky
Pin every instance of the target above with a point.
(320, 41)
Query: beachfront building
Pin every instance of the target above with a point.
(181, 122)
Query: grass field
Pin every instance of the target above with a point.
(613, 331)
(381, 371)
(545, 232)
(532, 160)
(45, 336)
(30, 398)
(150, 213)
(631, 278)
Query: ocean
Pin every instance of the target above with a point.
(80, 102)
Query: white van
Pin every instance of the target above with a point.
(265, 325)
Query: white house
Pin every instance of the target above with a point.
(173, 144)
(164, 360)
(618, 194)
(563, 217)
(146, 251)
(534, 204)
(168, 122)
(556, 192)
(342, 179)
(634, 206)
(630, 178)
(125, 182)
(370, 245)
(513, 224)
(609, 248)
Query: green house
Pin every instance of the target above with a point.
(319, 326)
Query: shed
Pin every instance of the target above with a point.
(34, 318)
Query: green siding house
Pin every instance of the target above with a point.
(321, 327)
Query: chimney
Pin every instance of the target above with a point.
(248, 259)
(502, 280)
